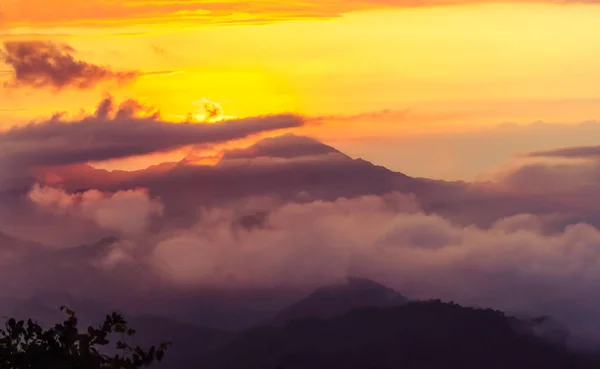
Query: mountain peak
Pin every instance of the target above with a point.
(288, 146)
(336, 299)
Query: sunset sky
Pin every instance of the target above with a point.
(443, 89)
(154, 149)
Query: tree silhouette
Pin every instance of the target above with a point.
(25, 345)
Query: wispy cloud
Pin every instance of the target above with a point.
(583, 152)
(9, 110)
(161, 73)
(33, 13)
(46, 64)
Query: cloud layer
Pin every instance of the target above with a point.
(125, 131)
(31, 12)
(584, 152)
(45, 64)
(126, 212)
(290, 214)
(514, 264)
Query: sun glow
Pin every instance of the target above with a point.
(444, 69)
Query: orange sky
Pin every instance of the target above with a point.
(451, 69)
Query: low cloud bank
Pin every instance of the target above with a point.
(538, 251)
(125, 212)
(513, 265)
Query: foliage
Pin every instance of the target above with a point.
(25, 345)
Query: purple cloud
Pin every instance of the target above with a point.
(47, 64)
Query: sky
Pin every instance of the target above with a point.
(150, 149)
(410, 85)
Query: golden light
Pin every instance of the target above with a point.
(207, 111)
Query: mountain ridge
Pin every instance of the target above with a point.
(417, 335)
(331, 300)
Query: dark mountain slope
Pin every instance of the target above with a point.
(288, 166)
(417, 335)
(329, 301)
(282, 166)
(186, 339)
(288, 146)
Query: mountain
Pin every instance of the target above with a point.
(329, 301)
(90, 251)
(287, 146)
(284, 166)
(416, 335)
(185, 338)
(291, 168)
(8, 242)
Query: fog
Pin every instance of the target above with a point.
(516, 264)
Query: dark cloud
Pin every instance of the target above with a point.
(120, 132)
(584, 152)
(213, 111)
(47, 64)
(210, 110)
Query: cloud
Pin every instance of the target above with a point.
(46, 64)
(584, 152)
(96, 12)
(367, 116)
(538, 251)
(210, 111)
(161, 73)
(112, 133)
(512, 265)
(289, 165)
(213, 111)
(571, 172)
(125, 212)
(466, 154)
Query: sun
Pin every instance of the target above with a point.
(207, 111)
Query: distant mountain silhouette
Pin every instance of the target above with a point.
(311, 166)
(285, 167)
(337, 299)
(186, 339)
(287, 146)
(416, 335)
(8, 243)
(98, 249)
(292, 168)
